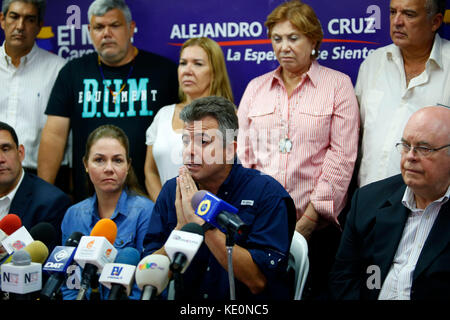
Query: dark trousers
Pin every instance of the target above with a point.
(322, 249)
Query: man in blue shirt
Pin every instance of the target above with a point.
(260, 254)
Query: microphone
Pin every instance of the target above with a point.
(19, 239)
(182, 246)
(119, 276)
(152, 275)
(60, 259)
(21, 276)
(223, 216)
(45, 232)
(37, 250)
(93, 252)
(8, 225)
(217, 212)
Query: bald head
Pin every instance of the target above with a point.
(434, 118)
(427, 175)
(434, 121)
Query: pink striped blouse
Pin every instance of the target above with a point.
(321, 119)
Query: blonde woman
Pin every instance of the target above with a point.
(201, 72)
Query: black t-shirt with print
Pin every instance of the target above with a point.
(81, 94)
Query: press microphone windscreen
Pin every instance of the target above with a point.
(197, 198)
(21, 258)
(38, 252)
(105, 228)
(129, 256)
(193, 228)
(45, 232)
(10, 223)
(153, 271)
(74, 239)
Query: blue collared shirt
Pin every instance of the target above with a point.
(132, 216)
(265, 206)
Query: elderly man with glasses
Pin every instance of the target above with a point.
(395, 242)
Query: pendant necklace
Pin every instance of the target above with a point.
(285, 143)
(116, 94)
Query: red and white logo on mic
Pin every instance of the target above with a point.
(95, 250)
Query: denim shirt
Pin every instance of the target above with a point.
(132, 216)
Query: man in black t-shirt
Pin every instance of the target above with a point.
(118, 84)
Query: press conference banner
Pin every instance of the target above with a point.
(352, 29)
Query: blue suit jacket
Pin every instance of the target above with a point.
(39, 201)
(371, 236)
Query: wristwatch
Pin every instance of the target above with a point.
(207, 226)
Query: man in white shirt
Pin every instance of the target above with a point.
(27, 74)
(399, 79)
(395, 242)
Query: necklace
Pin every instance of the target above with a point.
(115, 94)
(285, 144)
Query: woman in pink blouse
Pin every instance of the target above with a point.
(300, 122)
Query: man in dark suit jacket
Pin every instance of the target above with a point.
(396, 241)
(24, 194)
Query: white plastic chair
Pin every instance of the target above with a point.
(298, 260)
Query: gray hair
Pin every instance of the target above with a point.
(223, 110)
(101, 7)
(39, 4)
(434, 7)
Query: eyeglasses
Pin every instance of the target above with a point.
(421, 151)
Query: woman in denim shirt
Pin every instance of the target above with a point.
(117, 196)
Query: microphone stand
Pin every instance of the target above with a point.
(95, 289)
(232, 224)
(176, 267)
(229, 243)
(178, 285)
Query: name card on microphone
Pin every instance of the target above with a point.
(185, 242)
(21, 279)
(210, 206)
(95, 250)
(17, 240)
(118, 273)
(59, 259)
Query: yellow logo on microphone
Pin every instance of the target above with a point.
(204, 207)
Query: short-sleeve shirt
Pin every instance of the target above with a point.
(81, 94)
(265, 206)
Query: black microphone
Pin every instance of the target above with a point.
(60, 259)
(46, 233)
